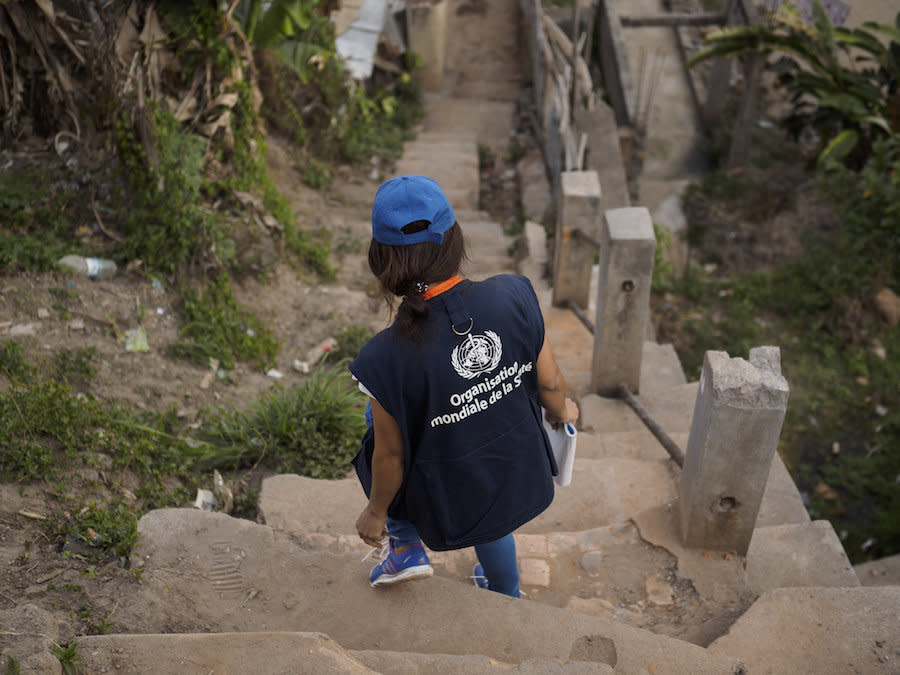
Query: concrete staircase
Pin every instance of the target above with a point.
(609, 586)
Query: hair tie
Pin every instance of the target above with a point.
(421, 287)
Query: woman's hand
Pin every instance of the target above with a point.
(371, 526)
(570, 415)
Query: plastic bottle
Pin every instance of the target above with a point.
(95, 268)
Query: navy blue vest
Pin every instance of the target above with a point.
(477, 460)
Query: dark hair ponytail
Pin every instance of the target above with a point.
(400, 269)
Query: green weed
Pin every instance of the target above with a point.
(68, 657)
(13, 363)
(13, 667)
(164, 222)
(312, 429)
(37, 230)
(216, 327)
(76, 366)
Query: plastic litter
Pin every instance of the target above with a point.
(94, 268)
(136, 340)
(317, 353)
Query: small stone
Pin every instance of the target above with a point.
(23, 329)
(591, 562)
(878, 349)
(43, 313)
(534, 572)
(888, 304)
(76, 324)
(659, 592)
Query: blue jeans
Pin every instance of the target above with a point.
(498, 557)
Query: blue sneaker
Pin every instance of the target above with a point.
(478, 577)
(395, 567)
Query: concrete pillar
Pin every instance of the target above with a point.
(734, 434)
(426, 33)
(573, 256)
(623, 301)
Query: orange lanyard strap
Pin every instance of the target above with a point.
(441, 287)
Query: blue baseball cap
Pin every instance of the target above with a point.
(407, 199)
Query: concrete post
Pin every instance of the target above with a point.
(426, 32)
(734, 434)
(623, 301)
(573, 256)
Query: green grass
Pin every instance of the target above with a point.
(49, 432)
(312, 428)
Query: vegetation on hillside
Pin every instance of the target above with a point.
(155, 113)
(841, 357)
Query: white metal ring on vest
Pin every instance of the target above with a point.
(467, 330)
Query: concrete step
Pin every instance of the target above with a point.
(638, 444)
(781, 503)
(805, 554)
(602, 491)
(881, 572)
(277, 654)
(410, 663)
(660, 368)
(227, 574)
(605, 491)
(490, 120)
(818, 630)
(611, 572)
(672, 408)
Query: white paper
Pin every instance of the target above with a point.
(562, 443)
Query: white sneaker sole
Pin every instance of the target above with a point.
(410, 573)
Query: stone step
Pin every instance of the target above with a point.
(671, 408)
(660, 368)
(462, 156)
(805, 554)
(605, 491)
(818, 630)
(611, 572)
(491, 121)
(881, 572)
(232, 575)
(781, 503)
(638, 444)
(602, 491)
(460, 186)
(410, 663)
(277, 654)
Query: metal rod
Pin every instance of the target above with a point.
(704, 19)
(581, 315)
(674, 451)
